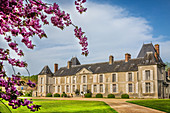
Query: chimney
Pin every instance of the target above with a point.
(157, 48)
(127, 57)
(168, 72)
(55, 68)
(69, 63)
(111, 60)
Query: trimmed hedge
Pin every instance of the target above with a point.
(49, 95)
(124, 96)
(64, 95)
(56, 95)
(27, 95)
(88, 95)
(110, 96)
(99, 95)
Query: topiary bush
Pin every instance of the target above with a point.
(49, 95)
(88, 95)
(64, 95)
(27, 95)
(124, 96)
(110, 96)
(56, 95)
(99, 95)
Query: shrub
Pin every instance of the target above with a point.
(56, 95)
(99, 95)
(64, 95)
(77, 92)
(110, 96)
(124, 96)
(27, 95)
(88, 95)
(0, 89)
(49, 95)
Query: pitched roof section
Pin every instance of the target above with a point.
(45, 70)
(75, 61)
(146, 48)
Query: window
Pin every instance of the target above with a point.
(48, 89)
(114, 87)
(84, 79)
(41, 80)
(148, 87)
(41, 89)
(147, 74)
(84, 88)
(67, 88)
(95, 88)
(101, 78)
(101, 87)
(94, 78)
(74, 79)
(74, 88)
(58, 88)
(129, 76)
(130, 87)
(113, 77)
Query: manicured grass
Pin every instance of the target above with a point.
(67, 106)
(159, 104)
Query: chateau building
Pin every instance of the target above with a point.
(141, 77)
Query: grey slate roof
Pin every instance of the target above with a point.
(75, 61)
(146, 48)
(45, 70)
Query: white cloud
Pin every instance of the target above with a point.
(110, 30)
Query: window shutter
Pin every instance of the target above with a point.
(75, 79)
(116, 77)
(111, 89)
(42, 89)
(65, 89)
(97, 88)
(92, 88)
(133, 76)
(117, 88)
(94, 78)
(59, 80)
(103, 88)
(98, 78)
(56, 89)
(143, 87)
(55, 80)
(137, 87)
(143, 75)
(86, 78)
(132, 87)
(60, 89)
(151, 74)
(71, 88)
(39, 89)
(127, 88)
(152, 87)
(65, 80)
(71, 79)
(103, 78)
(42, 80)
(127, 76)
(81, 79)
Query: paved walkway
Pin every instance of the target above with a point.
(120, 105)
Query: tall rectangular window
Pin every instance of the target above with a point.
(130, 87)
(113, 77)
(147, 74)
(84, 79)
(74, 88)
(95, 88)
(41, 89)
(84, 88)
(129, 76)
(67, 88)
(101, 78)
(114, 87)
(101, 87)
(148, 87)
(58, 89)
(74, 79)
(41, 80)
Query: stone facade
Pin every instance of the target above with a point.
(142, 77)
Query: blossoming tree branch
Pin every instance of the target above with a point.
(24, 19)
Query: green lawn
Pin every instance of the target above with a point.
(159, 104)
(66, 106)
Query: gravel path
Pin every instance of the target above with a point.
(120, 105)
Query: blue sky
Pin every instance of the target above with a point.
(113, 27)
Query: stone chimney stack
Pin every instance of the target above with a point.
(157, 49)
(127, 57)
(55, 68)
(69, 63)
(111, 59)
